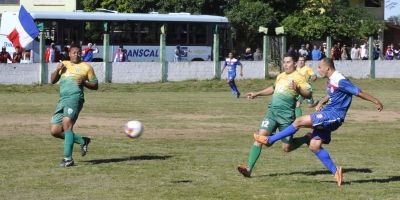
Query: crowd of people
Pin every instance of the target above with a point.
(343, 52)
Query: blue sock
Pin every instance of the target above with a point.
(324, 157)
(290, 130)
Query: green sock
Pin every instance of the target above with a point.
(68, 144)
(298, 112)
(255, 152)
(297, 142)
(78, 139)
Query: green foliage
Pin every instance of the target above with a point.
(318, 18)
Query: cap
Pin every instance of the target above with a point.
(90, 44)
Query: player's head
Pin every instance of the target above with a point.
(230, 55)
(326, 67)
(3, 49)
(75, 54)
(288, 63)
(301, 61)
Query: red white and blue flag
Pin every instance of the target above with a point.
(25, 30)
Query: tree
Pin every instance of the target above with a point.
(317, 19)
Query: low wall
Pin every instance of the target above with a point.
(131, 72)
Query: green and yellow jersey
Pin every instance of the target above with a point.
(307, 72)
(68, 86)
(283, 97)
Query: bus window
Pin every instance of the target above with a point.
(150, 33)
(177, 33)
(198, 34)
(93, 32)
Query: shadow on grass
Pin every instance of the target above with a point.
(115, 160)
(377, 180)
(320, 172)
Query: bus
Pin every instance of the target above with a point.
(138, 33)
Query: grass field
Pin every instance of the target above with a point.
(196, 133)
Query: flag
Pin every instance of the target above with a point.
(25, 30)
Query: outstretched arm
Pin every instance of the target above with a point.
(367, 97)
(265, 92)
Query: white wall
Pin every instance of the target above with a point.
(131, 72)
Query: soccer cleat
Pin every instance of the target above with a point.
(84, 146)
(261, 139)
(238, 95)
(244, 170)
(339, 176)
(67, 163)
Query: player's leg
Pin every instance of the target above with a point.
(303, 121)
(267, 126)
(298, 112)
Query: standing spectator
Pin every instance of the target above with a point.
(258, 55)
(364, 51)
(336, 53)
(17, 55)
(51, 54)
(4, 55)
(121, 55)
(65, 52)
(324, 50)
(303, 51)
(316, 54)
(292, 51)
(377, 52)
(389, 53)
(26, 56)
(344, 53)
(178, 54)
(87, 53)
(355, 53)
(248, 55)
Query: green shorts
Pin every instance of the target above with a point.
(278, 119)
(67, 108)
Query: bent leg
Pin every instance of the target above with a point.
(322, 155)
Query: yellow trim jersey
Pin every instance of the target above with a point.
(307, 72)
(283, 97)
(68, 86)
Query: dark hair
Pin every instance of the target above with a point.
(294, 58)
(74, 46)
(329, 62)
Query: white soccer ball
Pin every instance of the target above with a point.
(133, 129)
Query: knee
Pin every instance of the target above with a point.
(314, 148)
(286, 148)
(56, 132)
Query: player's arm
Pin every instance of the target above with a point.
(241, 69)
(265, 92)
(321, 103)
(302, 87)
(313, 77)
(222, 71)
(55, 76)
(367, 97)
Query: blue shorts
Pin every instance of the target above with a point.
(323, 125)
(231, 76)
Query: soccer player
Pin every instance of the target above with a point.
(310, 76)
(339, 96)
(73, 76)
(232, 63)
(280, 114)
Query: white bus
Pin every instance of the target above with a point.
(138, 33)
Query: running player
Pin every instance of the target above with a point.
(73, 76)
(280, 114)
(338, 100)
(310, 76)
(232, 63)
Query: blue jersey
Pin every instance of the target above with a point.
(231, 65)
(340, 92)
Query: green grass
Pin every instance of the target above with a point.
(196, 133)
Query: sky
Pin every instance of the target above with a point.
(391, 9)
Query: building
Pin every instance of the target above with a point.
(38, 5)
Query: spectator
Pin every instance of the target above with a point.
(26, 56)
(65, 53)
(336, 52)
(121, 55)
(4, 55)
(355, 53)
(248, 55)
(324, 50)
(258, 56)
(344, 53)
(17, 55)
(303, 51)
(389, 53)
(292, 51)
(377, 52)
(308, 51)
(87, 53)
(178, 54)
(364, 51)
(52, 54)
(316, 54)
